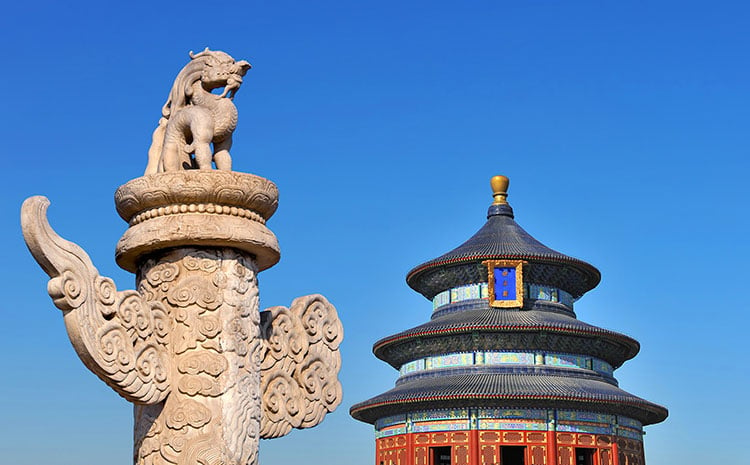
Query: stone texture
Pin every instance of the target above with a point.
(213, 408)
(193, 118)
(200, 208)
(119, 335)
(209, 373)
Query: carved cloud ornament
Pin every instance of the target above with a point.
(300, 361)
(118, 335)
(209, 374)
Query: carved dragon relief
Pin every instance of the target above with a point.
(208, 372)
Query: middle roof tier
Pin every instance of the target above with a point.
(484, 328)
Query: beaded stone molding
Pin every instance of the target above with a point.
(197, 207)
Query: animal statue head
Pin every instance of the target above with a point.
(213, 69)
(197, 116)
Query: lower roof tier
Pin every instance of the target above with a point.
(508, 390)
(485, 328)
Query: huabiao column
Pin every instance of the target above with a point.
(209, 373)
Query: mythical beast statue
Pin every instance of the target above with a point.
(193, 117)
(208, 372)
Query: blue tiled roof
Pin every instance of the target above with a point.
(502, 238)
(487, 389)
(490, 319)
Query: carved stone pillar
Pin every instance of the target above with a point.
(214, 407)
(186, 240)
(209, 373)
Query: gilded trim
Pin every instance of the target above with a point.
(518, 265)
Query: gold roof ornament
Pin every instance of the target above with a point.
(499, 186)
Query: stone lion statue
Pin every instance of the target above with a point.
(194, 117)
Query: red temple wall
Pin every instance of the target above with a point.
(630, 452)
(483, 448)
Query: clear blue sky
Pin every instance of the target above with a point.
(622, 125)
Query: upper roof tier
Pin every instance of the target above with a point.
(501, 238)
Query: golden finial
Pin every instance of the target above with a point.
(500, 189)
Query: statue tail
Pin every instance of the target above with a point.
(154, 152)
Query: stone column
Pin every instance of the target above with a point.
(195, 240)
(209, 373)
(212, 414)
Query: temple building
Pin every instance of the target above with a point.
(504, 373)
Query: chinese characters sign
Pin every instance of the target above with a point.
(505, 282)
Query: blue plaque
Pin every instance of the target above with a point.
(505, 283)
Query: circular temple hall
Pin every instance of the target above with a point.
(504, 373)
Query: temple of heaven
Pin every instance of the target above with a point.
(504, 373)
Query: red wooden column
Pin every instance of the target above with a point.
(474, 447)
(551, 438)
(551, 448)
(615, 453)
(410, 449)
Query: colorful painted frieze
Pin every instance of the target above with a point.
(444, 298)
(390, 421)
(600, 366)
(630, 434)
(567, 360)
(576, 415)
(513, 425)
(527, 414)
(387, 432)
(439, 415)
(411, 367)
(451, 360)
(508, 358)
(585, 428)
(445, 425)
(629, 422)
